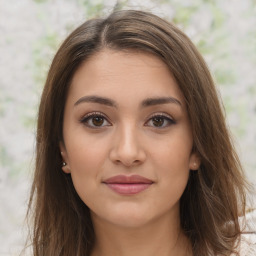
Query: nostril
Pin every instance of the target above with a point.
(128, 163)
(127, 150)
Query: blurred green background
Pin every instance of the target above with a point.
(32, 30)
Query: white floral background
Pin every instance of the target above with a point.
(32, 30)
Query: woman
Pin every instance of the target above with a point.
(133, 154)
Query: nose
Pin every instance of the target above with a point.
(127, 148)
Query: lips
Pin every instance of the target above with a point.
(128, 185)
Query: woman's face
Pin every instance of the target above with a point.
(127, 138)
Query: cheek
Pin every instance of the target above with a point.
(85, 153)
(171, 161)
(173, 171)
(86, 160)
(174, 152)
(85, 173)
(173, 174)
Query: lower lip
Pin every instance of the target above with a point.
(128, 189)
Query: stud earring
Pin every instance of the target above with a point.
(64, 164)
(195, 166)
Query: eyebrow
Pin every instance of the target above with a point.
(96, 99)
(161, 100)
(145, 103)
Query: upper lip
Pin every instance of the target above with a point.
(123, 179)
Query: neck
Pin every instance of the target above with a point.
(163, 238)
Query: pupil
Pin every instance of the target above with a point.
(158, 121)
(97, 121)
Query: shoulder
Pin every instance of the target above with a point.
(247, 246)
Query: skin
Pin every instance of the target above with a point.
(127, 140)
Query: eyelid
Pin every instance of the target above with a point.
(94, 113)
(85, 117)
(163, 115)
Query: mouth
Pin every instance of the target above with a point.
(128, 185)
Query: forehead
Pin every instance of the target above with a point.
(129, 75)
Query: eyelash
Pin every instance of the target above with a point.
(88, 117)
(165, 117)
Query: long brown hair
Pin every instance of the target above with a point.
(215, 194)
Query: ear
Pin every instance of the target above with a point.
(63, 152)
(194, 161)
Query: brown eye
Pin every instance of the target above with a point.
(97, 121)
(158, 121)
(94, 120)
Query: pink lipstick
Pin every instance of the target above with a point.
(128, 185)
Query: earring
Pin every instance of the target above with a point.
(195, 166)
(64, 164)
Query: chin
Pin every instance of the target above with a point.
(130, 221)
(126, 216)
